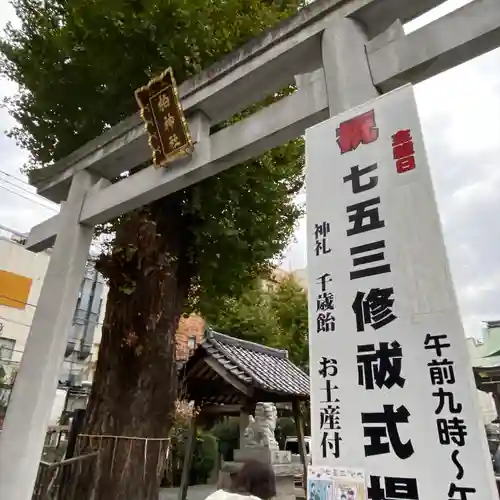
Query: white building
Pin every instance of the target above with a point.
(21, 276)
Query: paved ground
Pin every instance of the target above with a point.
(194, 492)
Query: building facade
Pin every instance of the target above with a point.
(21, 276)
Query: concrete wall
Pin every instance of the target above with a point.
(57, 407)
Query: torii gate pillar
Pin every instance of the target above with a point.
(25, 425)
(347, 74)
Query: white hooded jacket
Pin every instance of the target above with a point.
(226, 495)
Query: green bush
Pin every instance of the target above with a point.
(227, 433)
(204, 459)
(203, 462)
(285, 427)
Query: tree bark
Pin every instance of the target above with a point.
(134, 391)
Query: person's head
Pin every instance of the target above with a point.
(257, 479)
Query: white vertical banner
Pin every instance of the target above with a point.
(392, 391)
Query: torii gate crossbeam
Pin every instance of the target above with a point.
(393, 58)
(340, 53)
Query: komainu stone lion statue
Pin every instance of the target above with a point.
(260, 430)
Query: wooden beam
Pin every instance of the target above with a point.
(229, 377)
(213, 392)
(299, 424)
(210, 409)
(196, 371)
(244, 420)
(188, 458)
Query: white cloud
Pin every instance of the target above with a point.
(483, 192)
(468, 97)
(23, 210)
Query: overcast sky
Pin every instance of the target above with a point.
(460, 113)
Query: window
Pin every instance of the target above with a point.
(99, 309)
(192, 342)
(6, 348)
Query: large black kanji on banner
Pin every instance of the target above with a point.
(166, 125)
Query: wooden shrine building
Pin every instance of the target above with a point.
(229, 376)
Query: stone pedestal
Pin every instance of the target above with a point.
(281, 462)
(263, 455)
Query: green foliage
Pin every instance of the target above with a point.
(285, 427)
(227, 433)
(77, 64)
(204, 457)
(249, 317)
(250, 221)
(273, 314)
(289, 303)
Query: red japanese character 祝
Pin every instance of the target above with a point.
(358, 130)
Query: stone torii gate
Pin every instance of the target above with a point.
(340, 53)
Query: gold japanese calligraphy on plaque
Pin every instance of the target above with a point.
(166, 125)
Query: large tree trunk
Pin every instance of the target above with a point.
(134, 391)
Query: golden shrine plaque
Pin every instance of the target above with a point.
(166, 125)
